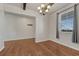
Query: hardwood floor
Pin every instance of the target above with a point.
(30, 48)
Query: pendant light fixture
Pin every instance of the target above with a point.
(44, 8)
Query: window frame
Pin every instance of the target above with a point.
(59, 21)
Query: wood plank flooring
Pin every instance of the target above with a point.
(30, 48)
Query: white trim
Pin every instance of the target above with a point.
(60, 14)
(39, 40)
(1, 48)
(70, 46)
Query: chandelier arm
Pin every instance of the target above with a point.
(45, 9)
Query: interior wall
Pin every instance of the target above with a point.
(40, 36)
(65, 38)
(17, 26)
(42, 28)
(2, 28)
(2, 33)
(46, 26)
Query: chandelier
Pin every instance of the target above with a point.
(44, 8)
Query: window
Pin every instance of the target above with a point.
(67, 21)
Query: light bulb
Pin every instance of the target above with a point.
(46, 10)
(38, 8)
(48, 6)
(40, 11)
(42, 5)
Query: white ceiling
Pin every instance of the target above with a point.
(56, 6)
(33, 6)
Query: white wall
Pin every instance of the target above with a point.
(42, 28)
(46, 26)
(2, 24)
(40, 31)
(39, 19)
(17, 26)
(65, 38)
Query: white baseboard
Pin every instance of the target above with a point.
(1, 48)
(74, 46)
(37, 41)
(18, 39)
